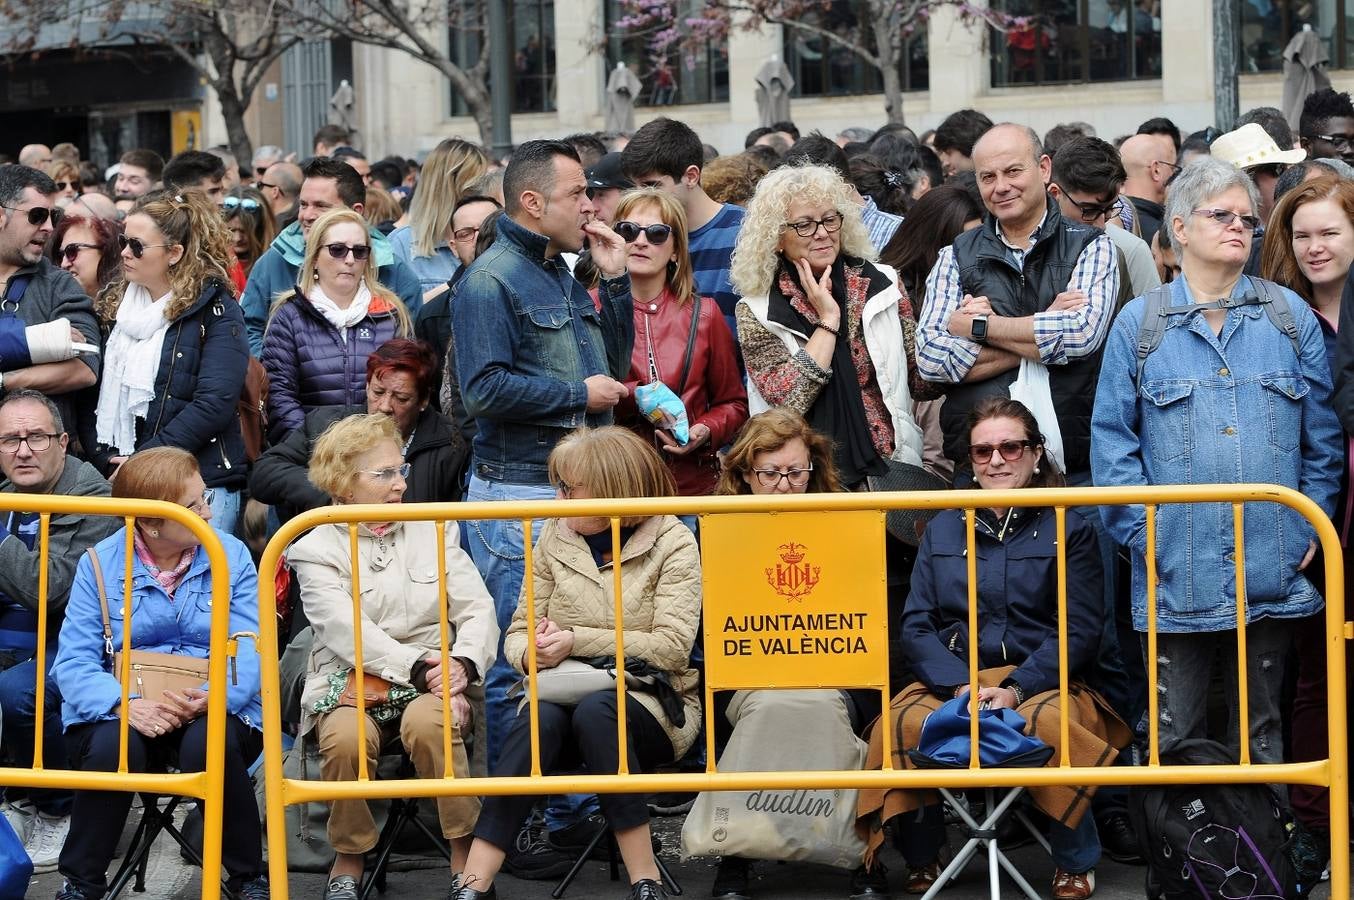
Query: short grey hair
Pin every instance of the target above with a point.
(1200, 181)
(32, 396)
(270, 152)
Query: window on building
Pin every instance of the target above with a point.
(532, 25)
(1266, 27)
(684, 75)
(1061, 41)
(822, 67)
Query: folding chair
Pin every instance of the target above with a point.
(403, 812)
(613, 863)
(154, 820)
(983, 834)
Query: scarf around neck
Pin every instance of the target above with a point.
(341, 319)
(168, 579)
(130, 363)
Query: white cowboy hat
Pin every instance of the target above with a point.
(1250, 146)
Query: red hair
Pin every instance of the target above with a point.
(405, 355)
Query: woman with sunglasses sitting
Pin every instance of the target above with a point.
(813, 304)
(176, 357)
(321, 332)
(251, 223)
(1017, 647)
(681, 340)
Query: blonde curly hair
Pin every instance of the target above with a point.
(757, 253)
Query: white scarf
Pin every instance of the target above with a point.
(130, 364)
(341, 319)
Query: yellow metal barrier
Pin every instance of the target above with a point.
(830, 510)
(206, 784)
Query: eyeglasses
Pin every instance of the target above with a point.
(1226, 217)
(263, 184)
(388, 474)
(461, 235)
(1009, 450)
(771, 477)
(248, 204)
(137, 246)
(1175, 170)
(1336, 140)
(260, 171)
(38, 441)
(341, 251)
(73, 185)
(71, 252)
(655, 234)
(203, 502)
(1092, 211)
(38, 215)
(831, 223)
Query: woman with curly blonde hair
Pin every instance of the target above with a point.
(177, 354)
(815, 302)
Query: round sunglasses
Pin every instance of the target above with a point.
(136, 245)
(71, 251)
(341, 251)
(655, 234)
(248, 204)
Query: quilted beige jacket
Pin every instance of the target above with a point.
(661, 583)
(400, 615)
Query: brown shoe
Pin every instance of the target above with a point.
(920, 878)
(1073, 885)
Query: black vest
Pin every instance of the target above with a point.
(986, 270)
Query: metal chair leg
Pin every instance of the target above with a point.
(577, 867)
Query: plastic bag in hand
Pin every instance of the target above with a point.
(664, 409)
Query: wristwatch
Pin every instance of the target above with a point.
(978, 329)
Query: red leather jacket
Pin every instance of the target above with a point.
(714, 394)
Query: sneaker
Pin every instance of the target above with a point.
(871, 883)
(1073, 885)
(20, 816)
(1118, 840)
(46, 840)
(341, 887)
(532, 858)
(68, 892)
(731, 879)
(920, 878)
(254, 889)
(647, 889)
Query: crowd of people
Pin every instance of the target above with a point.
(623, 316)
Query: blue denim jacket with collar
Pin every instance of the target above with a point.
(527, 335)
(1241, 406)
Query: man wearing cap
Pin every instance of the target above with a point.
(1253, 151)
(606, 182)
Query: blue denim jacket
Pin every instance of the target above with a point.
(1236, 407)
(527, 334)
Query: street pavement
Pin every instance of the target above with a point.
(168, 877)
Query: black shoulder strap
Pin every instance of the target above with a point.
(696, 302)
(1153, 325)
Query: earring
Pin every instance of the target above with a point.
(1036, 470)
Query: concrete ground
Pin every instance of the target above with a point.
(168, 877)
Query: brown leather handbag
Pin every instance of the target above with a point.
(151, 673)
(375, 690)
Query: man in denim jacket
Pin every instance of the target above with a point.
(1226, 397)
(536, 358)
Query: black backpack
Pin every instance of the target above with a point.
(1213, 841)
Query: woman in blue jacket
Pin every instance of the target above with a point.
(176, 357)
(171, 613)
(1017, 647)
(320, 333)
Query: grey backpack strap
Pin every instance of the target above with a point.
(1153, 325)
(1279, 312)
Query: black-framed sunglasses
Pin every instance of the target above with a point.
(1226, 217)
(136, 245)
(340, 251)
(71, 251)
(38, 215)
(62, 185)
(1092, 211)
(1010, 451)
(260, 171)
(831, 223)
(656, 234)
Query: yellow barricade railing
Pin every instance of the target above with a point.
(207, 784)
(864, 539)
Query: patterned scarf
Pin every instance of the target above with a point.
(168, 580)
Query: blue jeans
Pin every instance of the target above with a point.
(18, 699)
(226, 511)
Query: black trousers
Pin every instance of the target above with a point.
(98, 817)
(572, 736)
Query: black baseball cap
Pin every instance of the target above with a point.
(607, 174)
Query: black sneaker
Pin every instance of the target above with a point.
(647, 889)
(532, 858)
(1118, 839)
(68, 892)
(731, 879)
(571, 839)
(871, 883)
(254, 889)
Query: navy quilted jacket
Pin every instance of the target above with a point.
(309, 364)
